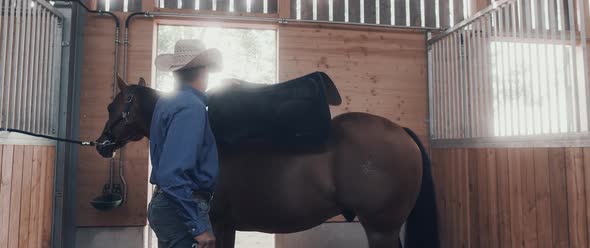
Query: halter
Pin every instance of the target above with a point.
(111, 141)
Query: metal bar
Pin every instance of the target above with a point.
(50, 8)
(26, 72)
(50, 80)
(503, 64)
(33, 71)
(556, 99)
(4, 51)
(574, 84)
(515, 108)
(586, 81)
(43, 82)
(523, 121)
(555, 140)
(487, 86)
(528, 65)
(457, 83)
(437, 93)
(494, 6)
(8, 78)
(441, 94)
(431, 72)
(17, 64)
(473, 73)
(497, 80)
(23, 50)
(561, 86)
(452, 80)
(57, 80)
(447, 92)
(465, 82)
(41, 77)
(479, 69)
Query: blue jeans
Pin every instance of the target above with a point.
(167, 224)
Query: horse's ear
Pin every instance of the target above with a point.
(141, 82)
(121, 83)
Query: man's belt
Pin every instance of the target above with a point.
(195, 194)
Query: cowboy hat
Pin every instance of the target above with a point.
(189, 54)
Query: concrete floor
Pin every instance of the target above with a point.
(254, 239)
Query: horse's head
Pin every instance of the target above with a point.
(127, 122)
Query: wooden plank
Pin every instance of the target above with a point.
(481, 227)
(338, 10)
(543, 197)
(306, 9)
(34, 221)
(370, 11)
(48, 194)
(222, 5)
(574, 164)
(354, 11)
(41, 195)
(5, 189)
(504, 223)
(240, 5)
(400, 12)
(430, 12)
(26, 196)
(257, 6)
(473, 168)
(385, 12)
(559, 208)
(464, 210)
(514, 170)
(492, 174)
(529, 200)
(271, 6)
(415, 13)
(171, 4)
(323, 10)
(444, 14)
(458, 10)
(15, 195)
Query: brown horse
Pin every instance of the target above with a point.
(370, 168)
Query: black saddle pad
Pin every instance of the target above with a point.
(292, 112)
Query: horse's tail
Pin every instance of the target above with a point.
(422, 224)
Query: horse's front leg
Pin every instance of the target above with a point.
(225, 235)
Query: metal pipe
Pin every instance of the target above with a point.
(19, 63)
(494, 6)
(28, 47)
(586, 81)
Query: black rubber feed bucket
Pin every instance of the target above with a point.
(107, 201)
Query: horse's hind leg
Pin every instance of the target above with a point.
(381, 238)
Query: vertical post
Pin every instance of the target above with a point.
(574, 61)
(431, 94)
(26, 72)
(7, 93)
(584, 18)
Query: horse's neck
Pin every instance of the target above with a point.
(148, 105)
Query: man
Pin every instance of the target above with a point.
(183, 151)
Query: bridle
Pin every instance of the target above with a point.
(111, 141)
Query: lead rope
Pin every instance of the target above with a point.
(79, 142)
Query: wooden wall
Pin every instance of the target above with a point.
(379, 72)
(96, 92)
(26, 195)
(526, 197)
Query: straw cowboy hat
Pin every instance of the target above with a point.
(190, 54)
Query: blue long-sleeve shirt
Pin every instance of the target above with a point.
(183, 152)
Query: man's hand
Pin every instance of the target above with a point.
(205, 240)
